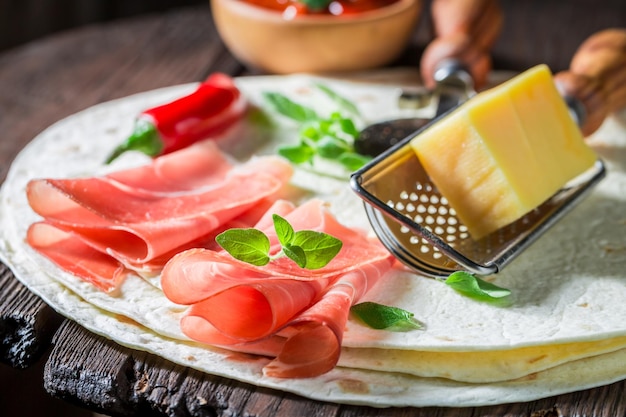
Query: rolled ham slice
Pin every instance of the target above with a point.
(324, 323)
(142, 216)
(275, 309)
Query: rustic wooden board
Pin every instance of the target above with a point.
(47, 80)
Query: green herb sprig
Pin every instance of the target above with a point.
(309, 249)
(382, 317)
(331, 137)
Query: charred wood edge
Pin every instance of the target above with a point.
(27, 324)
(551, 412)
(94, 372)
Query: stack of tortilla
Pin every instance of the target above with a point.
(563, 331)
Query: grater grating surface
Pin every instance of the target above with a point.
(416, 224)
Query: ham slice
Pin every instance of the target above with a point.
(185, 170)
(275, 309)
(142, 216)
(69, 252)
(324, 323)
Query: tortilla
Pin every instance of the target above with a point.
(565, 322)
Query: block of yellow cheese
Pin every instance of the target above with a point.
(504, 152)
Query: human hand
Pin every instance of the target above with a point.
(597, 77)
(465, 30)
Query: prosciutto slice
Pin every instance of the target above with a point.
(142, 216)
(69, 252)
(275, 309)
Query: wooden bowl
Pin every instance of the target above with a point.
(263, 39)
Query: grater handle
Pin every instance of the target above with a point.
(465, 30)
(596, 79)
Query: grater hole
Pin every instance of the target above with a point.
(430, 210)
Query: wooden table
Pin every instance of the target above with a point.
(47, 80)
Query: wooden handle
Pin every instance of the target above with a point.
(465, 30)
(597, 77)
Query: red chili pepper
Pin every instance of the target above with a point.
(211, 109)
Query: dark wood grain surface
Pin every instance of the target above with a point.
(46, 80)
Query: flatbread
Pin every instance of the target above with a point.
(566, 318)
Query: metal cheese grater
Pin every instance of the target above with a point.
(416, 224)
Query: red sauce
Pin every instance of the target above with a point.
(292, 8)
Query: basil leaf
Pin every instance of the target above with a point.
(343, 102)
(296, 254)
(352, 160)
(331, 147)
(284, 231)
(289, 108)
(348, 127)
(381, 317)
(475, 288)
(298, 154)
(247, 245)
(311, 130)
(307, 248)
(319, 248)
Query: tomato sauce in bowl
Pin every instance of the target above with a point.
(293, 8)
(284, 36)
